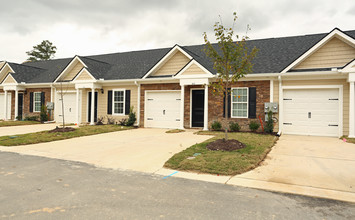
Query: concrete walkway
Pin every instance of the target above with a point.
(144, 150)
(315, 166)
(24, 129)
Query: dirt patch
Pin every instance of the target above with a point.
(66, 129)
(225, 145)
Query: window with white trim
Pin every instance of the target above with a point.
(118, 102)
(239, 102)
(37, 101)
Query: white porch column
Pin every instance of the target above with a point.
(78, 106)
(351, 110)
(281, 121)
(5, 105)
(205, 120)
(16, 104)
(92, 117)
(182, 103)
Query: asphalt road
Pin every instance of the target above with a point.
(41, 188)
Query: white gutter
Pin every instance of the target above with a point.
(139, 102)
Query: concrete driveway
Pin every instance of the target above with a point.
(307, 165)
(143, 150)
(24, 129)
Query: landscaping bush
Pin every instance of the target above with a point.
(269, 127)
(131, 117)
(254, 125)
(234, 126)
(123, 122)
(110, 120)
(44, 115)
(216, 126)
(100, 120)
(31, 118)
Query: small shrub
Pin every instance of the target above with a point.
(269, 127)
(254, 125)
(110, 120)
(100, 120)
(31, 118)
(234, 126)
(44, 115)
(123, 122)
(216, 126)
(131, 117)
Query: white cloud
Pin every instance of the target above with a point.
(91, 27)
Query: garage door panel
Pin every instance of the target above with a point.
(2, 109)
(69, 100)
(323, 106)
(162, 109)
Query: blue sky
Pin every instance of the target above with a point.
(87, 27)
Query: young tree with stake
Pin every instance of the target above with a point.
(232, 60)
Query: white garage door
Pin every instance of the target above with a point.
(69, 108)
(2, 108)
(162, 109)
(311, 112)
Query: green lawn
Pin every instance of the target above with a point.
(45, 136)
(349, 140)
(17, 123)
(223, 162)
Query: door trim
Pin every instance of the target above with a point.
(87, 106)
(191, 105)
(339, 87)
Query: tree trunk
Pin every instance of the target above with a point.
(226, 112)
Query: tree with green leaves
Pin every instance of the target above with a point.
(232, 60)
(42, 51)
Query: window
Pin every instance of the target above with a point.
(118, 102)
(37, 101)
(239, 103)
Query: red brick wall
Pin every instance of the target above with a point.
(144, 87)
(215, 104)
(26, 100)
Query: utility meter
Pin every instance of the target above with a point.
(271, 106)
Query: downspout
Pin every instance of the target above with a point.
(139, 102)
(280, 106)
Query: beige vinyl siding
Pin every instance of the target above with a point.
(327, 82)
(334, 53)
(173, 65)
(5, 71)
(9, 80)
(84, 76)
(73, 71)
(193, 70)
(102, 102)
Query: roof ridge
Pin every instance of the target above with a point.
(94, 59)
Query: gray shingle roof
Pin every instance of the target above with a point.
(274, 55)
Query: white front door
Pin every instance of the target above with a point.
(2, 108)
(311, 112)
(162, 109)
(69, 100)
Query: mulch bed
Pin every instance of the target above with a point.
(225, 145)
(66, 129)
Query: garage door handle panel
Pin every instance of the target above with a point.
(163, 112)
(287, 123)
(309, 114)
(333, 125)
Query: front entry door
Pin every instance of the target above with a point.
(197, 108)
(20, 106)
(89, 107)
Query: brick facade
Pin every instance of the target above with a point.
(144, 87)
(215, 104)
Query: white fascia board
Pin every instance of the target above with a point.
(9, 75)
(208, 73)
(76, 58)
(81, 71)
(350, 67)
(335, 32)
(164, 59)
